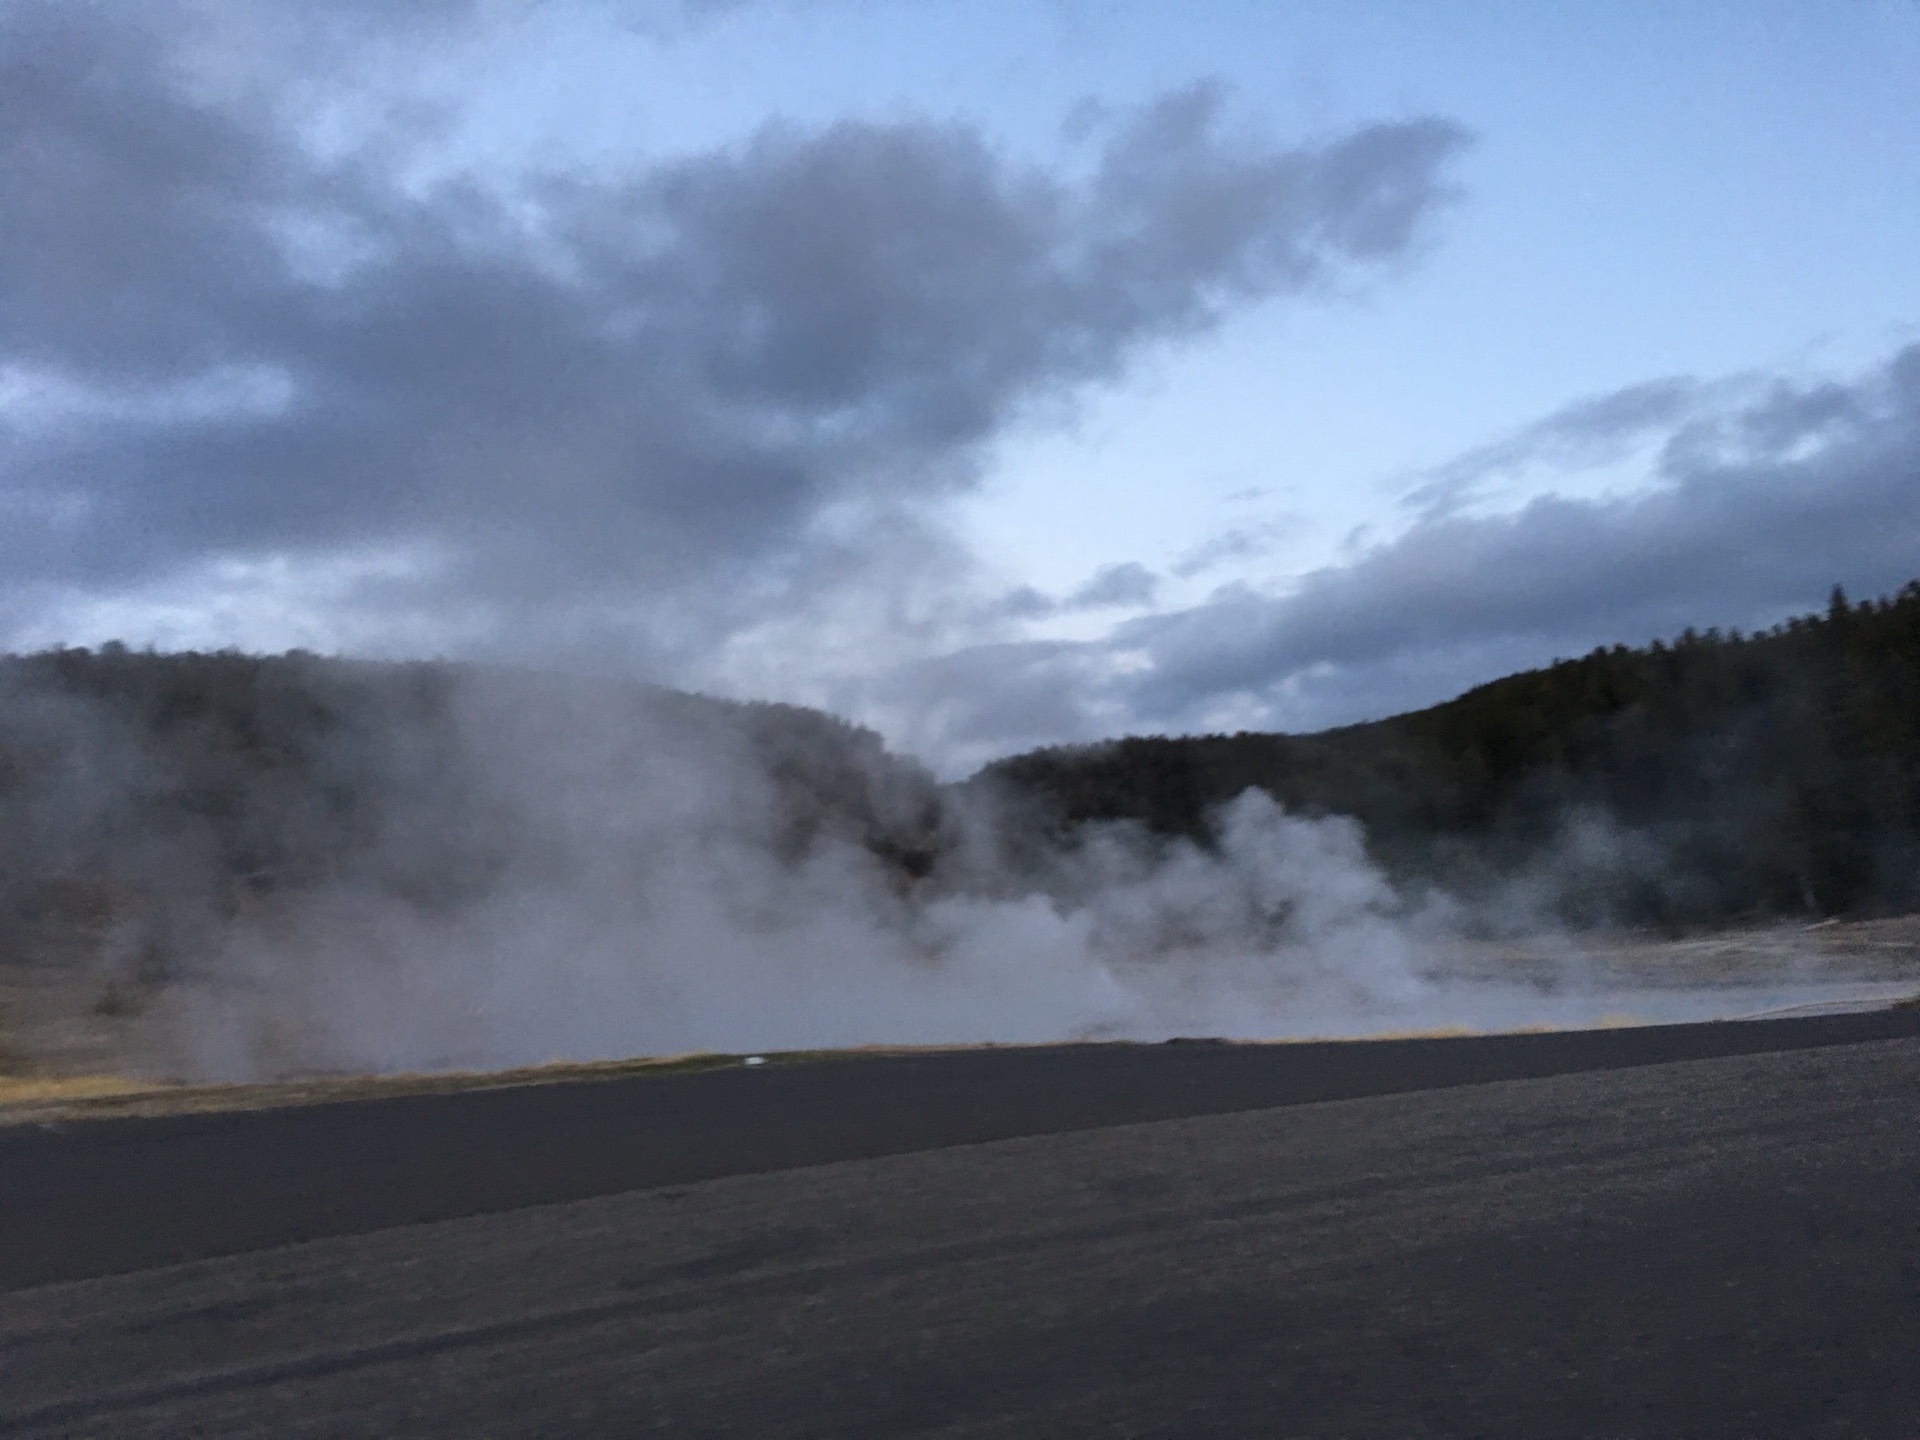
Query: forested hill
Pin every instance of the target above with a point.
(177, 789)
(1715, 777)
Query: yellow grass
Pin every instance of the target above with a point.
(45, 1098)
(42, 1098)
(42, 1089)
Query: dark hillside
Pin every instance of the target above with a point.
(1712, 778)
(146, 799)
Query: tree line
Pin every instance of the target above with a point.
(1711, 778)
(1708, 779)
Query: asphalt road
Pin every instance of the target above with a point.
(1177, 1240)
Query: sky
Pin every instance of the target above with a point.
(993, 374)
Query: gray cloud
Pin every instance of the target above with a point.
(1758, 506)
(1242, 542)
(1128, 584)
(1758, 510)
(1023, 602)
(965, 707)
(671, 393)
(1590, 431)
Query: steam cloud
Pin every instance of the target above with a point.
(410, 868)
(556, 874)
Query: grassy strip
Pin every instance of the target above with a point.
(57, 1099)
(16, 1090)
(49, 1099)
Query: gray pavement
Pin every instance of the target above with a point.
(1725, 1246)
(100, 1197)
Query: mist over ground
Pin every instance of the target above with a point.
(292, 865)
(246, 867)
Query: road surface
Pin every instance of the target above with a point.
(1549, 1235)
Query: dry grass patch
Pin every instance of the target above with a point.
(52, 1089)
(48, 1098)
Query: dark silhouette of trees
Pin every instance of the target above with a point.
(1711, 778)
(1743, 776)
(173, 790)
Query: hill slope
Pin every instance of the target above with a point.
(145, 799)
(1712, 778)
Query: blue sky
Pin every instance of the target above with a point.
(995, 374)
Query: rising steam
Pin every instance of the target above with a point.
(640, 889)
(293, 866)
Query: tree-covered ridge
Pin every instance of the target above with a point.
(1713, 777)
(181, 788)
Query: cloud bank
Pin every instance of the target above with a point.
(1764, 494)
(647, 413)
(700, 416)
